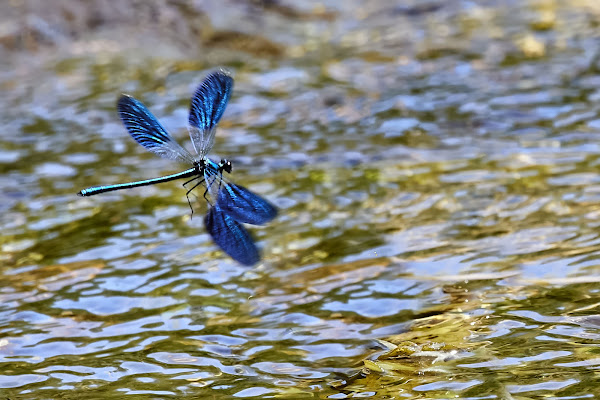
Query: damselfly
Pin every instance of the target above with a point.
(229, 204)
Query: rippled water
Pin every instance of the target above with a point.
(435, 165)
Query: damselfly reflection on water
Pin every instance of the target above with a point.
(229, 204)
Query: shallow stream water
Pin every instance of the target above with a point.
(436, 169)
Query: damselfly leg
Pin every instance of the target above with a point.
(190, 190)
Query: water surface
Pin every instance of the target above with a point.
(435, 165)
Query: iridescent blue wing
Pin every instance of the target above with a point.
(244, 206)
(145, 129)
(230, 236)
(208, 105)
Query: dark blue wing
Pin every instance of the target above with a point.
(210, 100)
(244, 206)
(207, 107)
(231, 237)
(145, 129)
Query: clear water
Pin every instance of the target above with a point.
(436, 169)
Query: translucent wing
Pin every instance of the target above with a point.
(230, 236)
(206, 109)
(244, 206)
(145, 129)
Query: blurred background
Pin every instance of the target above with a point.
(436, 168)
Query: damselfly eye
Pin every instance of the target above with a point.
(226, 165)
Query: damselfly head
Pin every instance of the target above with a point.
(225, 165)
